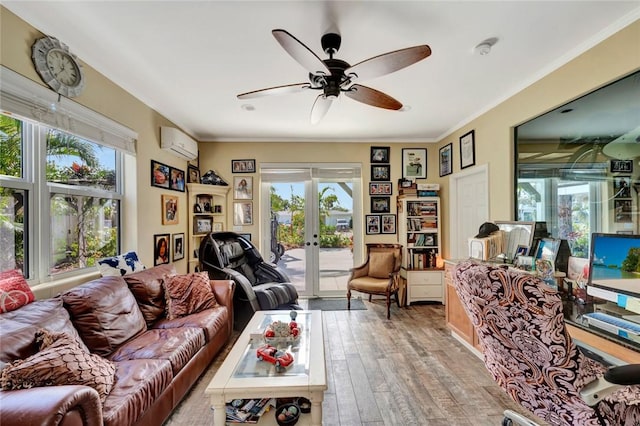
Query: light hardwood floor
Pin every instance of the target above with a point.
(403, 371)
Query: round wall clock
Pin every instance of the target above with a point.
(57, 66)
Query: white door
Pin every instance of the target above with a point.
(469, 195)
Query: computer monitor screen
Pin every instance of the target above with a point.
(615, 262)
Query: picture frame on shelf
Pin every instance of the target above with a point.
(388, 223)
(202, 225)
(169, 209)
(622, 186)
(193, 175)
(243, 166)
(160, 174)
(380, 154)
(178, 246)
(380, 204)
(177, 180)
(217, 227)
(161, 249)
(373, 224)
(204, 201)
(621, 166)
(380, 188)
(445, 156)
(414, 163)
(468, 149)
(381, 172)
(243, 213)
(243, 188)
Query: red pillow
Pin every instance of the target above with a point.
(14, 291)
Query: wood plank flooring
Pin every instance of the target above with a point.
(403, 371)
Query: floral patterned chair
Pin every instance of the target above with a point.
(529, 353)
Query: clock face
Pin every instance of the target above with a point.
(58, 67)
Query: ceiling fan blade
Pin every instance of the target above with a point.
(320, 108)
(277, 90)
(372, 97)
(301, 53)
(389, 62)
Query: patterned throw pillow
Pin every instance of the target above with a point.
(14, 291)
(188, 294)
(120, 265)
(61, 361)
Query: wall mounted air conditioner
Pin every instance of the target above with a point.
(178, 143)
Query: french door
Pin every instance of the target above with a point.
(311, 217)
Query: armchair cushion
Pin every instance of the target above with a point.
(188, 294)
(381, 264)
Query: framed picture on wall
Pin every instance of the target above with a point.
(160, 174)
(373, 224)
(380, 204)
(243, 188)
(193, 175)
(177, 179)
(622, 187)
(243, 213)
(388, 223)
(414, 163)
(161, 249)
(380, 172)
(621, 166)
(622, 211)
(380, 188)
(446, 160)
(380, 154)
(169, 209)
(178, 246)
(243, 166)
(468, 149)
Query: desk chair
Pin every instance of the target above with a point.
(529, 353)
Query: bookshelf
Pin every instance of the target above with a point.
(207, 212)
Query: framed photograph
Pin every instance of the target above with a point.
(169, 209)
(160, 175)
(243, 188)
(203, 204)
(522, 250)
(621, 166)
(217, 227)
(246, 236)
(446, 160)
(177, 179)
(193, 174)
(202, 225)
(373, 224)
(380, 188)
(243, 213)
(468, 149)
(388, 223)
(380, 154)
(621, 187)
(243, 166)
(161, 249)
(622, 211)
(178, 246)
(414, 163)
(381, 172)
(380, 204)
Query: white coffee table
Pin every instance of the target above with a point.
(243, 376)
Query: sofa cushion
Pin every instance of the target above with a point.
(381, 264)
(138, 384)
(177, 346)
(188, 294)
(14, 291)
(18, 328)
(105, 313)
(123, 264)
(212, 321)
(60, 361)
(147, 288)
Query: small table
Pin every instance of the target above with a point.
(243, 376)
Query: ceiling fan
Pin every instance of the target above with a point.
(333, 76)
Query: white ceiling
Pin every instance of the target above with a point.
(189, 59)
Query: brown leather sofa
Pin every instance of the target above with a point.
(122, 319)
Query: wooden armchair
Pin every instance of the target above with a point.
(380, 274)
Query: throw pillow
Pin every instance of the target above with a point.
(14, 291)
(61, 361)
(147, 288)
(120, 265)
(188, 294)
(381, 264)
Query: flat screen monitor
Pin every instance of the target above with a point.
(615, 262)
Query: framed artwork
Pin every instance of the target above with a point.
(380, 188)
(178, 246)
(161, 249)
(622, 211)
(621, 187)
(202, 225)
(388, 223)
(177, 179)
(381, 172)
(380, 154)
(446, 160)
(243, 213)
(621, 166)
(373, 224)
(169, 209)
(160, 175)
(380, 204)
(203, 204)
(193, 174)
(243, 188)
(414, 163)
(217, 227)
(522, 250)
(246, 236)
(468, 149)
(243, 166)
